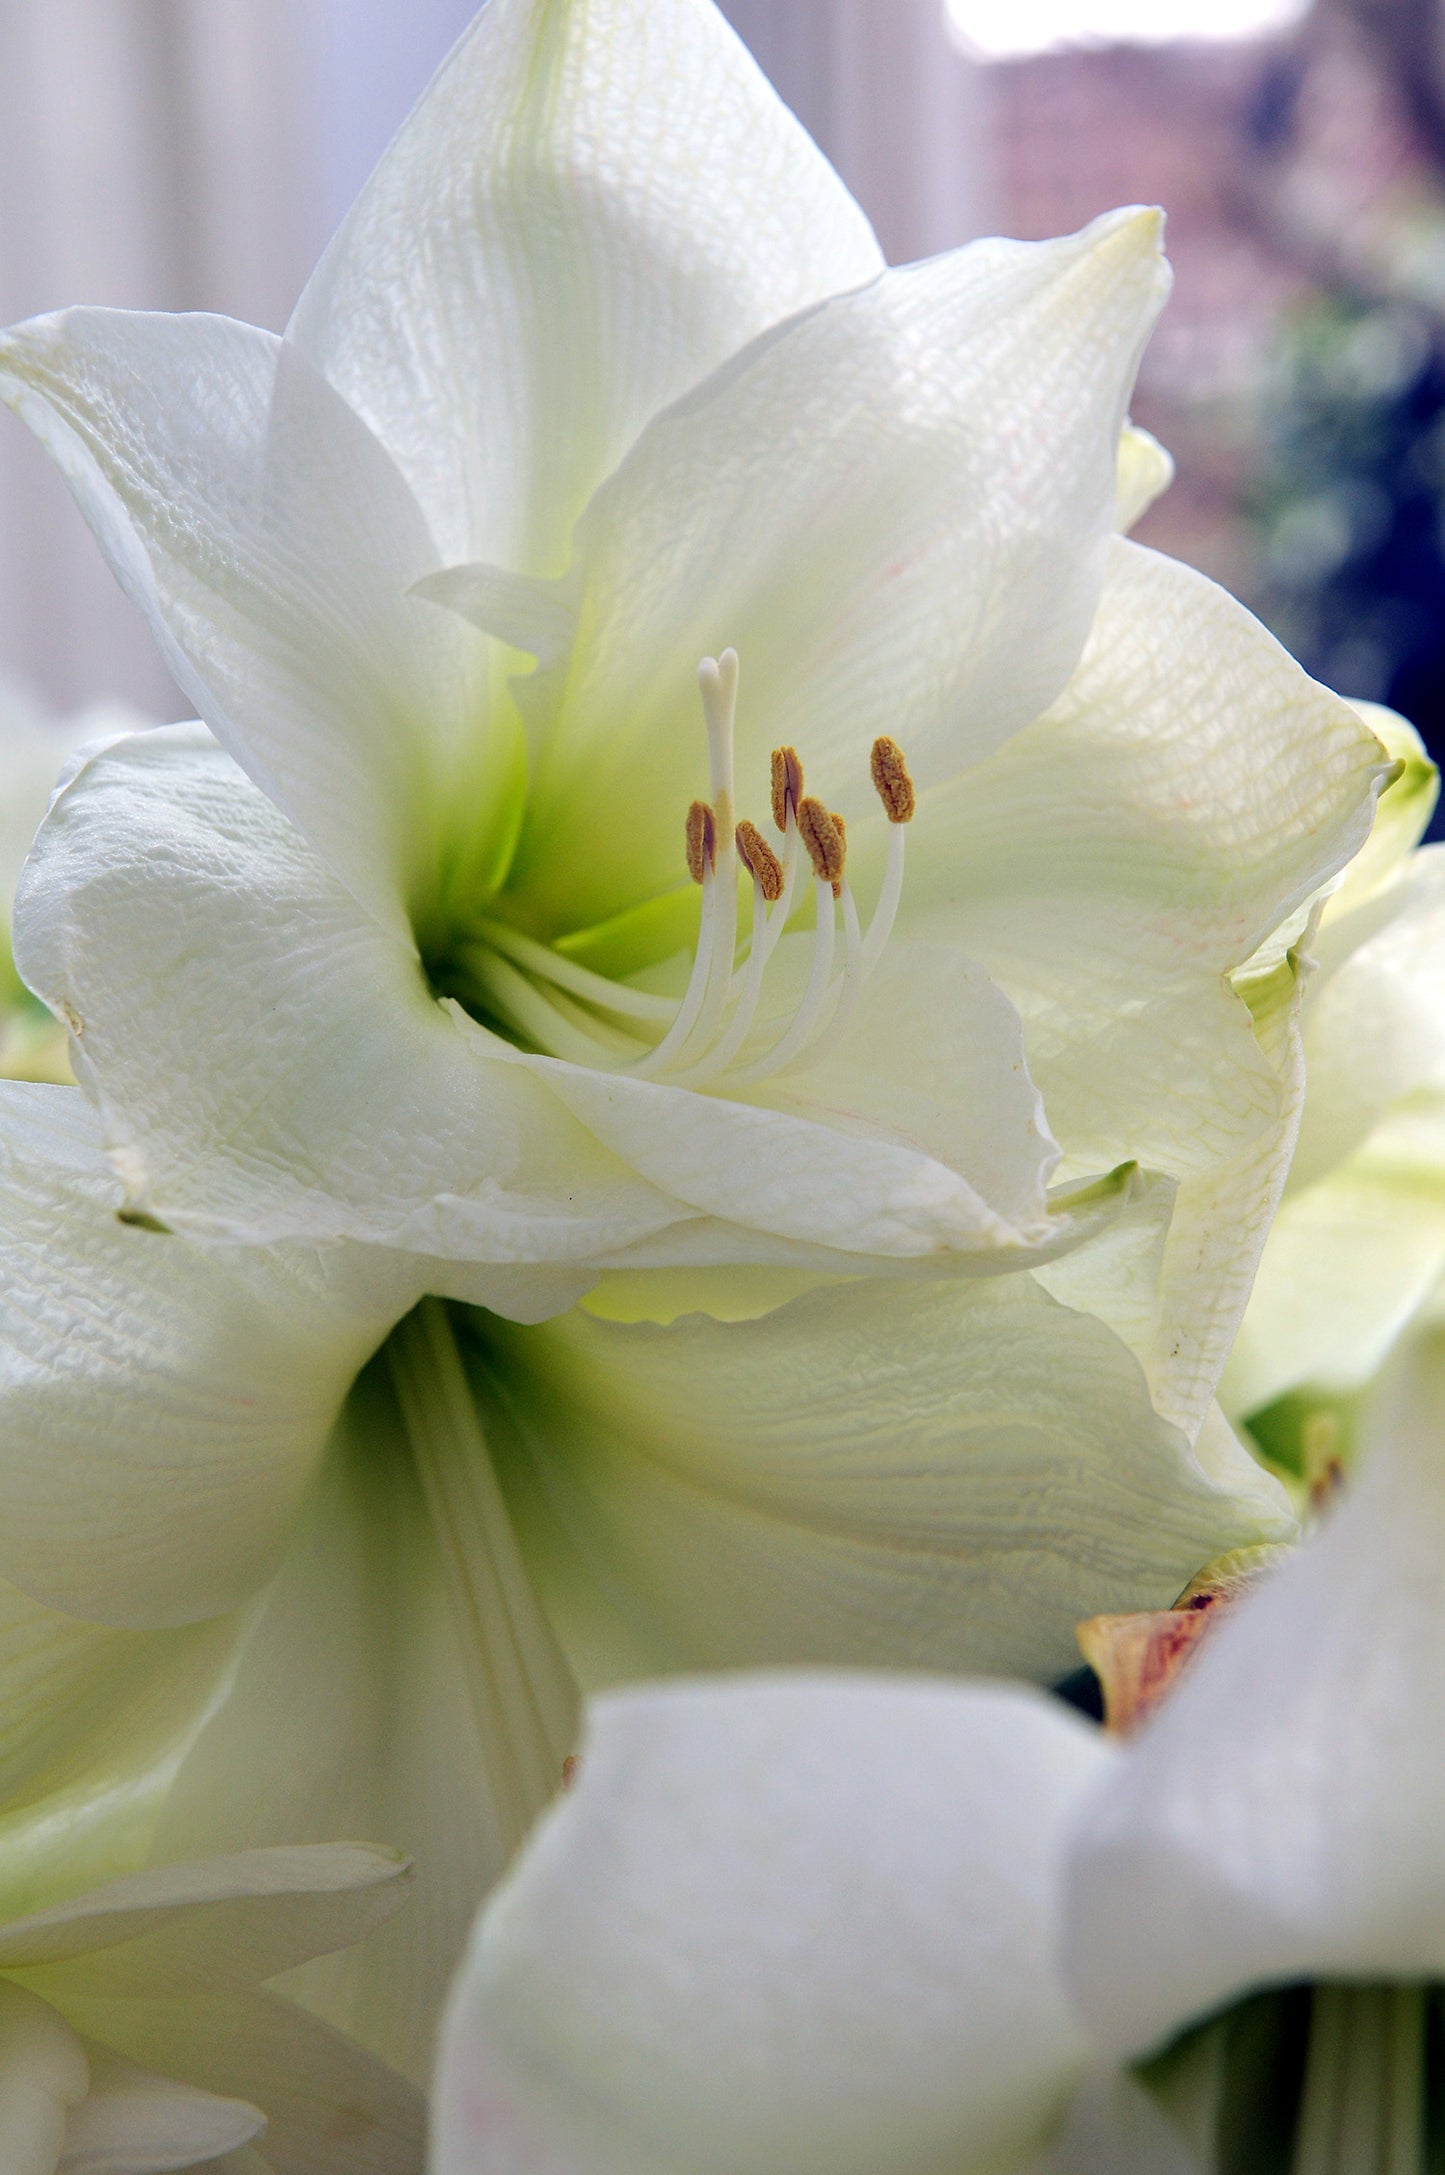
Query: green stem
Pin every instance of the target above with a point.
(1362, 2110)
(523, 1694)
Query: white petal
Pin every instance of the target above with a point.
(212, 1922)
(1347, 1264)
(330, 2108)
(891, 507)
(1114, 2126)
(1404, 810)
(945, 1476)
(134, 2123)
(93, 1724)
(800, 1923)
(271, 1064)
(270, 541)
(544, 258)
(1110, 868)
(43, 2075)
(1279, 1818)
(1375, 1021)
(163, 1408)
(1145, 470)
(933, 1059)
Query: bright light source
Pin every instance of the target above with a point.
(1005, 29)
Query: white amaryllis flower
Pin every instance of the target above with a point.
(606, 359)
(33, 749)
(137, 2035)
(854, 1926)
(604, 369)
(1357, 1251)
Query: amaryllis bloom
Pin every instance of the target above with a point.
(611, 560)
(604, 370)
(137, 2034)
(863, 1926)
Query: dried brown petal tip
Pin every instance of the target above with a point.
(1137, 1658)
(820, 834)
(759, 859)
(891, 781)
(701, 840)
(787, 783)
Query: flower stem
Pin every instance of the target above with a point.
(1362, 2111)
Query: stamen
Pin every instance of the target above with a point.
(891, 781)
(894, 788)
(787, 784)
(760, 861)
(711, 862)
(701, 836)
(816, 994)
(852, 977)
(638, 1004)
(717, 680)
(827, 848)
(772, 885)
(544, 1023)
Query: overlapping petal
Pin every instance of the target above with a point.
(543, 258)
(804, 1923)
(335, 1098)
(163, 1408)
(158, 1972)
(938, 1475)
(1112, 867)
(269, 1062)
(270, 541)
(911, 556)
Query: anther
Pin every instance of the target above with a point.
(824, 840)
(787, 784)
(842, 829)
(891, 781)
(759, 859)
(701, 840)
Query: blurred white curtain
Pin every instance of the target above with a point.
(892, 101)
(149, 157)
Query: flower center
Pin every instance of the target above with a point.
(717, 1032)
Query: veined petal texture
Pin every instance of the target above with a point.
(544, 258)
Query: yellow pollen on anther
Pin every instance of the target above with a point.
(820, 833)
(787, 784)
(701, 840)
(891, 781)
(759, 859)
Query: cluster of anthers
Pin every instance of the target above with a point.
(713, 1029)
